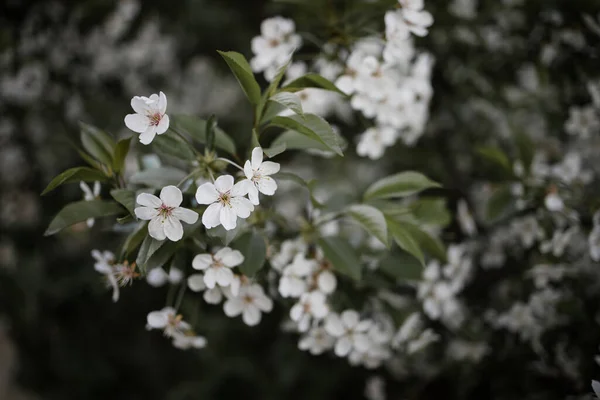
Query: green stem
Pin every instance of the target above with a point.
(231, 162)
(182, 136)
(180, 295)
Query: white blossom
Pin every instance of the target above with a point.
(374, 140)
(312, 305)
(165, 214)
(168, 321)
(350, 332)
(149, 119)
(251, 301)
(89, 195)
(217, 267)
(293, 282)
(316, 341)
(554, 202)
(226, 202)
(257, 172)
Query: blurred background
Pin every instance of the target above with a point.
(62, 62)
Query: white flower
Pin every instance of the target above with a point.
(250, 302)
(350, 332)
(465, 219)
(553, 202)
(217, 267)
(211, 296)
(287, 251)
(149, 119)
(326, 281)
(375, 388)
(158, 277)
(400, 23)
(583, 121)
(528, 229)
(293, 281)
(427, 337)
(316, 341)
(226, 202)
(167, 320)
(311, 305)
(257, 172)
(275, 45)
(185, 342)
(105, 262)
(374, 140)
(89, 195)
(164, 213)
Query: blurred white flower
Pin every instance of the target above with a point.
(217, 267)
(89, 195)
(257, 172)
(374, 141)
(251, 301)
(293, 282)
(316, 341)
(149, 119)
(164, 213)
(311, 305)
(226, 202)
(350, 332)
(167, 320)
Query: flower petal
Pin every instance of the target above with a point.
(207, 194)
(173, 229)
(242, 206)
(224, 276)
(210, 278)
(343, 346)
(202, 261)
(171, 196)
(213, 296)
(267, 185)
(253, 194)
(241, 188)
(162, 103)
(139, 105)
(269, 168)
(231, 258)
(233, 307)
(257, 157)
(251, 315)
(145, 213)
(148, 200)
(186, 215)
(211, 216)
(136, 122)
(148, 135)
(228, 217)
(157, 319)
(248, 170)
(163, 125)
(334, 326)
(224, 183)
(264, 303)
(156, 230)
(350, 318)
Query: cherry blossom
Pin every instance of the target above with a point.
(149, 119)
(217, 267)
(257, 172)
(226, 202)
(251, 301)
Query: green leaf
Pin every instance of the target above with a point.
(431, 211)
(99, 144)
(272, 110)
(405, 239)
(342, 256)
(526, 149)
(161, 256)
(81, 211)
(402, 266)
(399, 185)
(288, 176)
(274, 150)
(158, 177)
(499, 202)
(289, 101)
(148, 248)
(277, 80)
(75, 175)
(293, 140)
(495, 156)
(134, 239)
(243, 73)
(430, 244)
(226, 236)
(312, 126)
(211, 125)
(121, 150)
(371, 219)
(173, 146)
(260, 108)
(126, 198)
(196, 128)
(311, 81)
(254, 249)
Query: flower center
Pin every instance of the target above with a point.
(154, 119)
(165, 211)
(273, 42)
(248, 299)
(126, 273)
(225, 198)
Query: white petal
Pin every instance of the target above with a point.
(202, 261)
(173, 229)
(157, 319)
(233, 307)
(248, 170)
(257, 157)
(253, 194)
(139, 105)
(251, 315)
(207, 194)
(186, 215)
(171, 196)
(264, 303)
(350, 318)
(210, 278)
(162, 103)
(147, 136)
(224, 276)
(87, 192)
(361, 342)
(145, 213)
(196, 282)
(224, 183)
(234, 287)
(242, 206)
(156, 230)
(231, 258)
(213, 296)
(297, 311)
(327, 282)
(157, 277)
(148, 200)
(334, 326)
(269, 168)
(137, 123)
(241, 188)
(228, 217)
(211, 216)
(267, 185)
(163, 125)
(343, 347)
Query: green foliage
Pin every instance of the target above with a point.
(289, 101)
(196, 128)
(401, 267)
(314, 127)
(405, 239)
(371, 219)
(243, 73)
(311, 81)
(342, 256)
(158, 177)
(126, 198)
(121, 150)
(98, 144)
(81, 211)
(173, 146)
(399, 185)
(253, 247)
(76, 174)
(499, 201)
